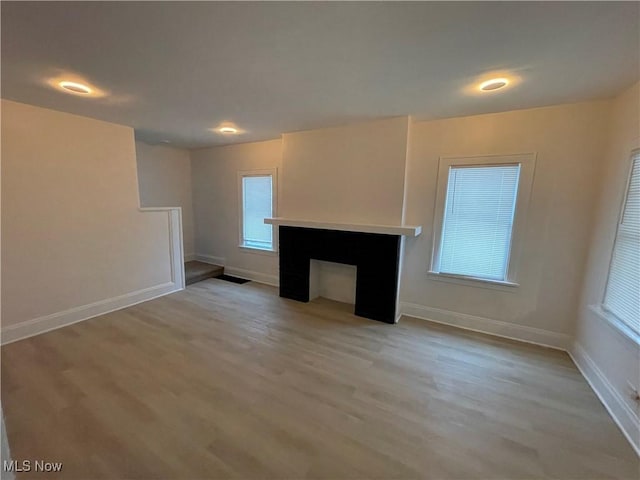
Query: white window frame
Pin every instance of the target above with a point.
(527, 163)
(600, 309)
(273, 172)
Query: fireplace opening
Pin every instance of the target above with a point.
(335, 281)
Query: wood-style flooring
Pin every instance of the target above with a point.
(230, 381)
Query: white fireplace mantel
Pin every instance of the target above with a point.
(406, 230)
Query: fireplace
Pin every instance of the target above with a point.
(376, 256)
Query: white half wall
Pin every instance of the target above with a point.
(75, 243)
(164, 180)
(608, 358)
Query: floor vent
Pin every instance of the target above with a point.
(229, 278)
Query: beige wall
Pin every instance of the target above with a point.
(356, 174)
(72, 234)
(352, 174)
(164, 180)
(569, 141)
(216, 204)
(609, 358)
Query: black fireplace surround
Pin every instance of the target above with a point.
(376, 256)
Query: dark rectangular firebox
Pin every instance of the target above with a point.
(376, 256)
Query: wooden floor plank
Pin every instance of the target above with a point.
(230, 381)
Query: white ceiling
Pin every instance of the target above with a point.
(173, 70)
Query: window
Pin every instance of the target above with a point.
(478, 218)
(622, 293)
(257, 201)
(479, 205)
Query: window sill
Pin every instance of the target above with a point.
(258, 250)
(620, 327)
(474, 281)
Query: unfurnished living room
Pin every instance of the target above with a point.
(320, 240)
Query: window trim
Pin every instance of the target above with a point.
(527, 163)
(624, 330)
(473, 281)
(623, 327)
(273, 172)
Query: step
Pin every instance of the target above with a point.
(197, 271)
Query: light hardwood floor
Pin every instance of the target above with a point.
(231, 381)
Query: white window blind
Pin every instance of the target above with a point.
(622, 295)
(478, 220)
(257, 204)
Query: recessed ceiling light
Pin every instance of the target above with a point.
(74, 84)
(75, 88)
(228, 128)
(493, 84)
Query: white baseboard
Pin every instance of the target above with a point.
(36, 326)
(489, 326)
(622, 414)
(202, 257)
(188, 257)
(265, 278)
